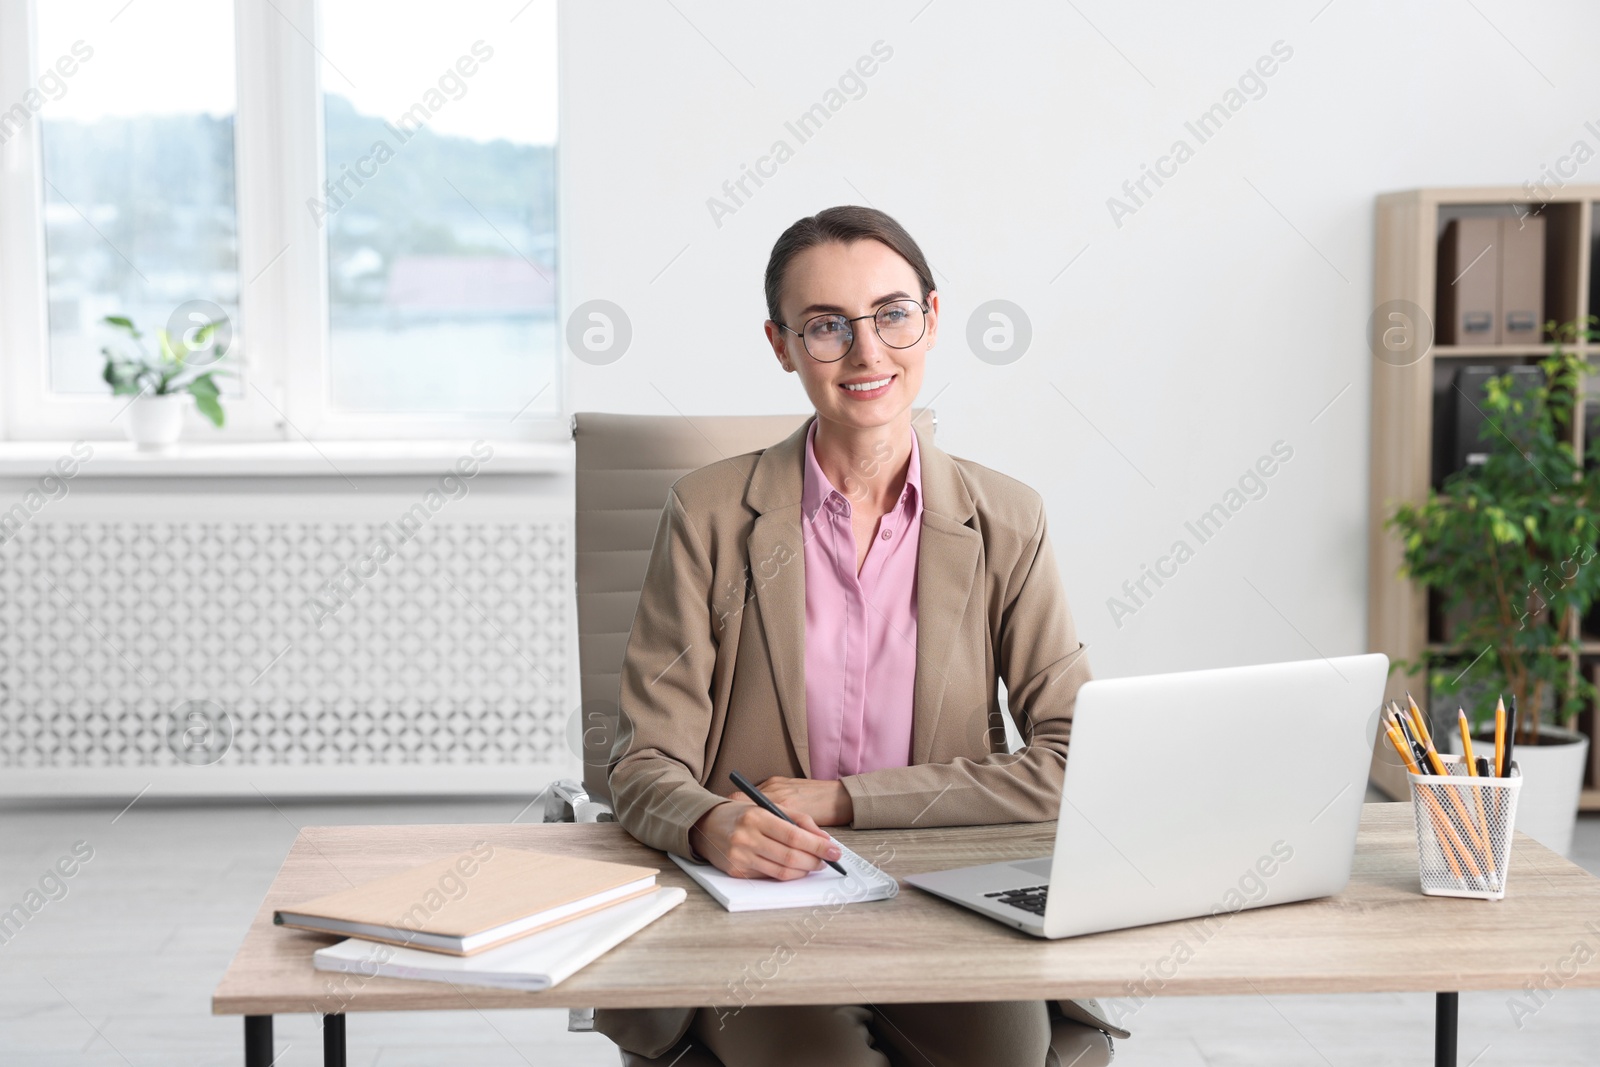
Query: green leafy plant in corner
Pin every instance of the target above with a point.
(1510, 546)
(188, 367)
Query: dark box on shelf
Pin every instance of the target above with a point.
(1459, 421)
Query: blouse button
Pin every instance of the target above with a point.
(886, 535)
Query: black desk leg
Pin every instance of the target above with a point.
(1446, 1008)
(333, 1041)
(258, 1041)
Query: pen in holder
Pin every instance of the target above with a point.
(1464, 830)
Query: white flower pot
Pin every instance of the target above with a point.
(155, 422)
(1552, 778)
(1552, 775)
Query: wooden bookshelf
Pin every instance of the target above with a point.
(1408, 227)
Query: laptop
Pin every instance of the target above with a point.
(1195, 794)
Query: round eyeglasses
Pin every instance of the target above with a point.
(828, 338)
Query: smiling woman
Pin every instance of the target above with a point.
(859, 686)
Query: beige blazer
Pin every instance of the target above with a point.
(714, 674)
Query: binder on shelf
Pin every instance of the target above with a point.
(1469, 282)
(1522, 280)
(1591, 415)
(1464, 423)
(1594, 279)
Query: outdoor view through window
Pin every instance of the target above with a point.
(440, 209)
(438, 214)
(138, 173)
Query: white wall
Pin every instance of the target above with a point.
(1222, 316)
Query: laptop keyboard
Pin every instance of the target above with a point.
(1028, 898)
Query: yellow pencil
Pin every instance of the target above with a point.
(1466, 742)
(1499, 735)
(1434, 761)
(1419, 719)
(1441, 822)
(1400, 746)
(1460, 806)
(1388, 717)
(1444, 825)
(1482, 827)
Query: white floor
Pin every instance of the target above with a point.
(119, 970)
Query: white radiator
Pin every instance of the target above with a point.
(236, 642)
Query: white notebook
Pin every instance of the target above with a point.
(822, 886)
(537, 961)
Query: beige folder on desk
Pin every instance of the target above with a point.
(476, 900)
(532, 963)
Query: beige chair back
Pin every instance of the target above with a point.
(624, 466)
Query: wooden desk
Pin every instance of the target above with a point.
(1379, 935)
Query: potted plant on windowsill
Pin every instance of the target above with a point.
(158, 381)
(1510, 547)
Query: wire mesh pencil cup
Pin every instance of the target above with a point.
(1464, 830)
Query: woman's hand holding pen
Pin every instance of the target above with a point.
(747, 842)
(827, 802)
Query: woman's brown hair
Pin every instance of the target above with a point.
(845, 224)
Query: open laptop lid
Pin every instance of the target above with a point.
(1206, 792)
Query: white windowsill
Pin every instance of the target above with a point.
(117, 459)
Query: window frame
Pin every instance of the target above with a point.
(283, 334)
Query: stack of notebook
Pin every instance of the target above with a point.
(493, 916)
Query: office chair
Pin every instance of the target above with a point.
(624, 466)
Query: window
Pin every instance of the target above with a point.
(137, 172)
(440, 211)
(365, 189)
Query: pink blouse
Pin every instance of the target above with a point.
(861, 630)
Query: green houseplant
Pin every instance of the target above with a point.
(158, 379)
(1510, 547)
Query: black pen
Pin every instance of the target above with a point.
(762, 802)
(1511, 738)
(1406, 729)
(1422, 757)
